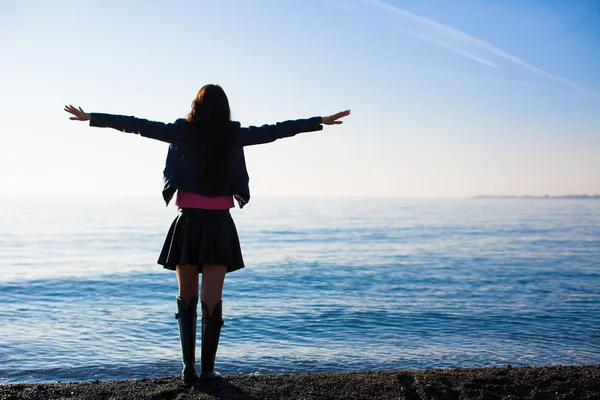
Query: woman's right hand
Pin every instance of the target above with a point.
(334, 119)
(240, 200)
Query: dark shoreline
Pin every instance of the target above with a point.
(556, 382)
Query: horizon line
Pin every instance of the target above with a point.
(474, 196)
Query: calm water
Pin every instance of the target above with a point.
(330, 285)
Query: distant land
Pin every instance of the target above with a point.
(568, 196)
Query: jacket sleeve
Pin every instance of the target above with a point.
(269, 133)
(170, 133)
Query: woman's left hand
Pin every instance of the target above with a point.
(79, 114)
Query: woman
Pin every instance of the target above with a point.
(205, 166)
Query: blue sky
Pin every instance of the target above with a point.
(449, 98)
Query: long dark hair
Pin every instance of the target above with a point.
(210, 119)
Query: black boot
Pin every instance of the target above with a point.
(186, 318)
(211, 331)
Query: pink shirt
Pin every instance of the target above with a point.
(192, 200)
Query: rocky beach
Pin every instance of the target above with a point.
(555, 382)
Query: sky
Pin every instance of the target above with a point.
(449, 98)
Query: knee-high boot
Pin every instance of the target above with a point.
(186, 318)
(211, 331)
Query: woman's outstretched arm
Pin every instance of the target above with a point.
(269, 133)
(170, 133)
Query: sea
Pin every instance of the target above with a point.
(330, 284)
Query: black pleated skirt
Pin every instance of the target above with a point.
(198, 237)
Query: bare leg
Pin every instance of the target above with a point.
(187, 279)
(213, 276)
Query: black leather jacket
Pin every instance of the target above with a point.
(181, 167)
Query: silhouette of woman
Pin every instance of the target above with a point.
(206, 168)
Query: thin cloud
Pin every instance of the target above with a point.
(462, 38)
(451, 48)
